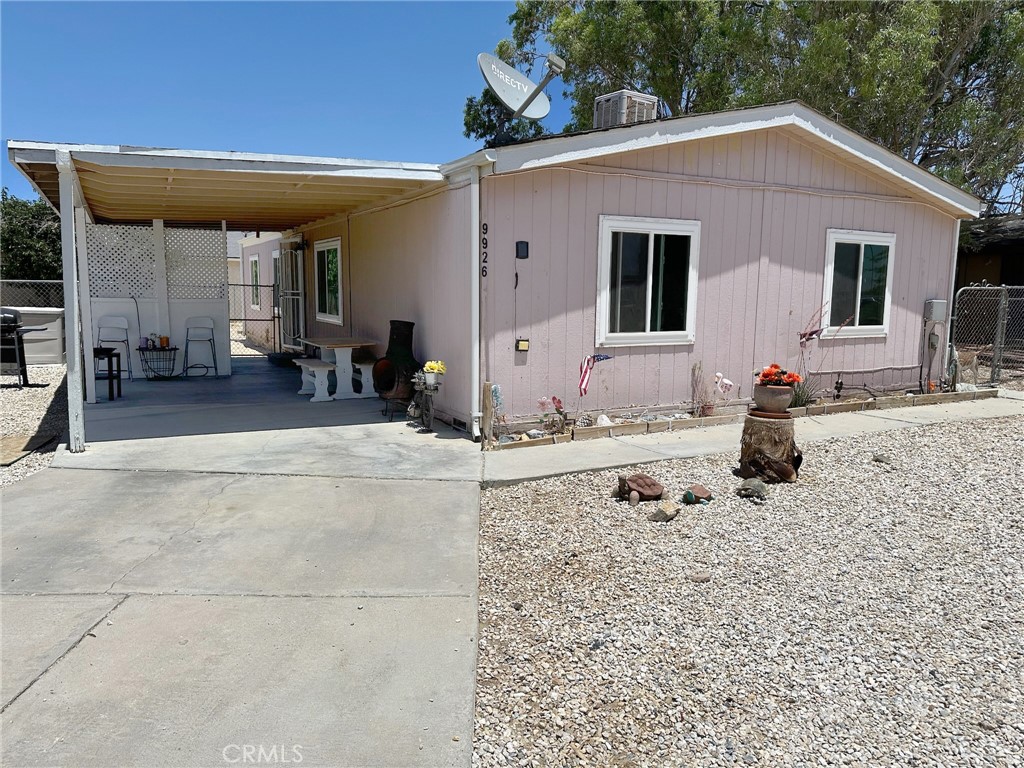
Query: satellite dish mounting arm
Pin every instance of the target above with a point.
(555, 66)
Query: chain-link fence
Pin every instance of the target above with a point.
(32, 293)
(254, 319)
(987, 336)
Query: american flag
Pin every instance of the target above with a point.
(586, 367)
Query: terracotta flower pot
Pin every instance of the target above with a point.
(773, 399)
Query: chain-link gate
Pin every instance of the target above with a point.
(254, 319)
(32, 293)
(987, 335)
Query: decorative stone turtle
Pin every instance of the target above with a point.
(752, 488)
(639, 487)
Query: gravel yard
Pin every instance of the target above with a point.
(871, 614)
(31, 410)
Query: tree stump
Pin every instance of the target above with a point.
(768, 450)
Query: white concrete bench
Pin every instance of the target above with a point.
(314, 378)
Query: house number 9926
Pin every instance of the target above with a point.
(483, 250)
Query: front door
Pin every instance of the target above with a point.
(291, 299)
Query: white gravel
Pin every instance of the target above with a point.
(31, 409)
(871, 614)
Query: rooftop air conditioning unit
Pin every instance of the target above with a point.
(624, 108)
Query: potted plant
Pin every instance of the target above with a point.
(773, 390)
(432, 370)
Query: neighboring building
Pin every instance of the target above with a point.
(992, 251)
(256, 292)
(713, 238)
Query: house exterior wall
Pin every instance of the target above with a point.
(765, 202)
(411, 262)
(259, 320)
(336, 228)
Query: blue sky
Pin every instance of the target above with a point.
(383, 81)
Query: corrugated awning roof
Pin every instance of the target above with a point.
(196, 188)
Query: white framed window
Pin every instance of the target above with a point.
(327, 262)
(858, 283)
(254, 278)
(647, 281)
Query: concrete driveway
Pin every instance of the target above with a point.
(205, 619)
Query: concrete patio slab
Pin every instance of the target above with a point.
(80, 532)
(235, 534)
(318, 536)
(39, 630)
(203, 681)
(385, 450)
(332, 616)
(254, 422)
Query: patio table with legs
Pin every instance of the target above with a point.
(338, 350)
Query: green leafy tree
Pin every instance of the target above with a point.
(30, 246)
(940, 83)
(484, 116)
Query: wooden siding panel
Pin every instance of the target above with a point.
(761, 276)
(412, 262)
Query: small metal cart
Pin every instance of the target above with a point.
(158, 363)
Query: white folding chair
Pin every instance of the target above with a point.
(112, 329)
(200, 329)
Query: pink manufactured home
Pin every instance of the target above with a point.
(714, 238)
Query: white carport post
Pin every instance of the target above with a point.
(76, 413)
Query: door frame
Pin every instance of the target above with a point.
(298, 256)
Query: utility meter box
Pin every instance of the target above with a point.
(935, 310)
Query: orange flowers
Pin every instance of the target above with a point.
(775, 375)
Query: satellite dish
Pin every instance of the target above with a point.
(515, 90)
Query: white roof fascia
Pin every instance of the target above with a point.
(572, 149)
(115, 149)
(482, 159)
(886, 162)
(181, 159)
(261, 166)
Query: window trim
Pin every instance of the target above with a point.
(322, 245)
(862, 238)
(649, 226)
(254, 279)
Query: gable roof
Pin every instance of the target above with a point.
(262, 191)
(816, 129)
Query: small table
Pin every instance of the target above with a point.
(340, 348)
(158, 362)
(110, 355)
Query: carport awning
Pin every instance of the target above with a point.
(126, 185)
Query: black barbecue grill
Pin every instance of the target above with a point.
(12, 345)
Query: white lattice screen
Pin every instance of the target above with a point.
(121, 261)
(196, 264)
